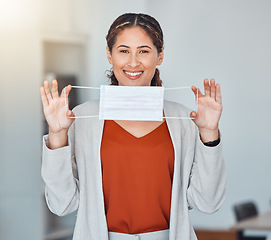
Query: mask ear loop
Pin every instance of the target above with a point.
(196, 102)
(65, 97)
(66, 102)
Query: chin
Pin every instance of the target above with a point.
(134, 82)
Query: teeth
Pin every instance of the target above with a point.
(133, 74)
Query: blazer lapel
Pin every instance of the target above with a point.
(176, 132)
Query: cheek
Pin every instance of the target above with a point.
(118, 62)
(151, 62)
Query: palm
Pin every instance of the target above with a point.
(55, 110)
(208, 113)
(209, 106)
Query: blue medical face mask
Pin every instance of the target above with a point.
(143, 103)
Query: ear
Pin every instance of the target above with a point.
(109, 57)
(160, 57)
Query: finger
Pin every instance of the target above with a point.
(66, 89)
(70, 113)
(64, 95)
(44, 99)
(193, 114)
(47, 90)
(218, 97)
(54, 89)
(212, 83)
(207, 88)
(196, 91)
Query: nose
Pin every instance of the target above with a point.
(133, 61)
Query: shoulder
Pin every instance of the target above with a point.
(88, 118)
(87, 108)
(178, 117)
(176, 108)
(181, 127)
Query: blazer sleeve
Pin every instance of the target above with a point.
(207, 182)
(59, 172)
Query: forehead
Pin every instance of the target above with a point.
(133, 36)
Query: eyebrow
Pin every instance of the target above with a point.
(143, 46)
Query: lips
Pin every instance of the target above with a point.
(133, 75)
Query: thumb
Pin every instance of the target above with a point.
(193, 114)
(69, 114)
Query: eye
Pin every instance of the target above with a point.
(143, 51)
(124, 51)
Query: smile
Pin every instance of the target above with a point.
(133, 74)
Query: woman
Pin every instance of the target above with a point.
(133, 179)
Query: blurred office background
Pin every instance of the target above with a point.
(229, 40)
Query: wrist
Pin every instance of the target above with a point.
(58, 139)
(207, 135)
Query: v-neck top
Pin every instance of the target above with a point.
(137, 178)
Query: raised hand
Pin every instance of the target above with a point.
(56, 113)
(209, 110)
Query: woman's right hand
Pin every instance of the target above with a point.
(56, 113)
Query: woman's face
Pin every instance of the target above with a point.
(134, 57)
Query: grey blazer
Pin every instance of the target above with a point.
(73, 175)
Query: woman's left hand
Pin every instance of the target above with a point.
(209, 110)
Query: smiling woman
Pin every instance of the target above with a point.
(141, 43)
(123, 176)
(134, 58)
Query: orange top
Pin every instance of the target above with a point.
(137, 179)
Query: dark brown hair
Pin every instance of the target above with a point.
(147, 23)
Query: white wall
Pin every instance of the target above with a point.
(20, 120)
(230, 41)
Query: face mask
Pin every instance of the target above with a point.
(144, 103)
